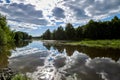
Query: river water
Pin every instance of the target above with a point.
(41, 61)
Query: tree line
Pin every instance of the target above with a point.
(8, 36)
(92, 30)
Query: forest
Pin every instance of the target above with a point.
(9, 36)
(94, 30)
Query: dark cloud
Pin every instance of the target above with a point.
(58, 12)
(80, 13)
(24, 13)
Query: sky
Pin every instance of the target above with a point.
(36, 16)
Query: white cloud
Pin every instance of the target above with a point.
(47, 13)
(22, 26)
(91, 9)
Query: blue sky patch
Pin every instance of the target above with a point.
(7, 1)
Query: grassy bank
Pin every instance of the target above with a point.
(97, 43)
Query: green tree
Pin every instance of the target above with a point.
(70, 32)
(60, 33)
(6, 33)
(116, 27)
(92, 30)
(47, 35)
(3, 38)
(89, 30)
(53, 35)
(21, 36)
(79, 33)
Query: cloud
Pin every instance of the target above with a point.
(23, 13)
(49, 13)
(82, 10)
(58, 13)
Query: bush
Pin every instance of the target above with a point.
(3, 39)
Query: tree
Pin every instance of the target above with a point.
(60, 33)
(53, 35)
(6, 33)
(79, 33)
(21, 36)
(8, 36)
(116, 27)
(47, 35)
(3, 38)
(70, 32)
(92, 30)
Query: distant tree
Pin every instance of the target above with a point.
(18, 36)
(92, 30)
(115, 27)
(60, 33)
(70, 32)
(47, 35)
(79, 33)
(53, 35)
(21, 36)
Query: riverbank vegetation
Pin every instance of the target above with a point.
(8, 40)
(8, 74)
(115, 44)
(93, 34)
(93, 30)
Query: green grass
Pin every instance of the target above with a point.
(97, 43)
(20, 77)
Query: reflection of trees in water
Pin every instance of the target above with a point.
(4, 54)
(48, 46)
(90, 51)
(22, 43)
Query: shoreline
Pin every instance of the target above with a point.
(113, 44)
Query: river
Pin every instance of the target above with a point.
(40, 60)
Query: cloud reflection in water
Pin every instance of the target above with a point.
(41, 63)
(79, 66)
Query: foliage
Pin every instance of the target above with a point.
(47, 35)
(70, 32)
(59, 34)
(3, 38)
(21, 36)
(8, 36)
(20, 77)
(92, 30)
(79, 33)
(5, 33)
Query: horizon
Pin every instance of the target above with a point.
(36, 16)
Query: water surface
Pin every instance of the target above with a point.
(42, 61)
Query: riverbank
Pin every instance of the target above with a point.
(115, 44)
(9, 74)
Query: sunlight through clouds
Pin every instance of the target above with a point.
(49, 13)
